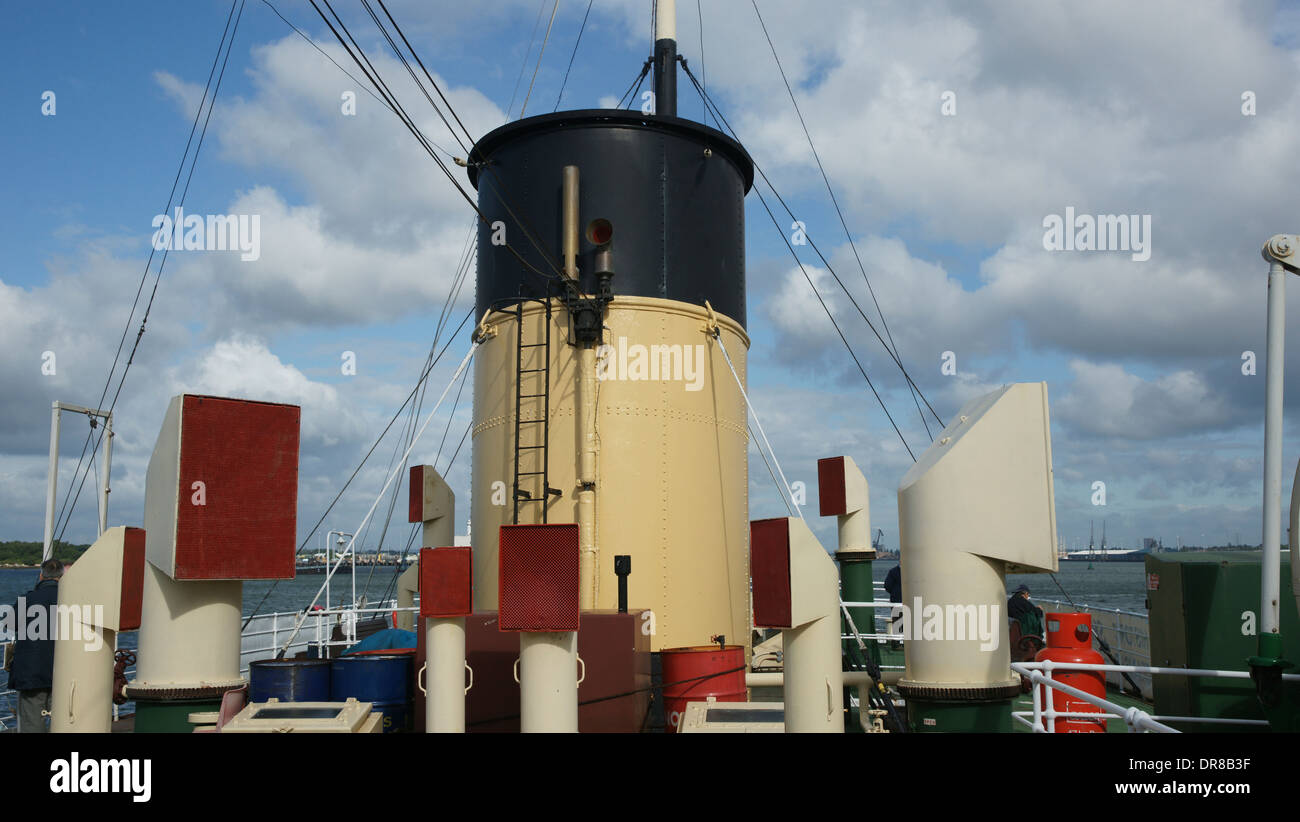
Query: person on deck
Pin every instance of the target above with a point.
(1022, 609)
(894, 587)
(32, 672)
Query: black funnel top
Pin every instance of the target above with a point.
(672, 189)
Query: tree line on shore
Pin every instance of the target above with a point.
(29, 553)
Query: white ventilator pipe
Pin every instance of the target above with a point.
(444, 702)
(189, 634)
(814, 669)
(90, 615)
(814, 696)
(81, 699)
(854, 525)
(547, 672)
(979, 498)
(408, 584)
(438, 503)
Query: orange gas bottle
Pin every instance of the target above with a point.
(1069, 639)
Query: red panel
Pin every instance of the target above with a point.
(539, 577)
(446, 582)
(246, 455)
(769, 564)
(830, 487)
(415, 509)
(132, 579)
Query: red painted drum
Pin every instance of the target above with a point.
(1069, 639)
(695, 673)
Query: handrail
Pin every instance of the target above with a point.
(1136, 719)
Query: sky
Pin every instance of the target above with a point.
(951, 134)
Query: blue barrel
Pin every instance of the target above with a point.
(380, 678)
(289, 680)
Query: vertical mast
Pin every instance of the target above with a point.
(666, 57)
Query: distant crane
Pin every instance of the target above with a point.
(878, 544)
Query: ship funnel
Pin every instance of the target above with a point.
(610, 282)
(976, 506)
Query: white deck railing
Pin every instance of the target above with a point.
(1042, 719)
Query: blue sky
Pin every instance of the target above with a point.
(1102, 107)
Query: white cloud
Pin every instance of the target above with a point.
(1108, 401)
(243, 368)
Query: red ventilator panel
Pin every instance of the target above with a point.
(830, 487)
(429, 495)
(132, 579)
(769, 563)
(539, 577)
(415, 510)
(221, 495)
(446, 582)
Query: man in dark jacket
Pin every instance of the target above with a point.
(32, 672)
(894, 587)
(1021, 608)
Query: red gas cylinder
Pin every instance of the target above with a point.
(1069, 639)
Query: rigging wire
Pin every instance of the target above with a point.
(462, 271)
(447, 430)
(382, 492)
(420, 63)
(834, 201)
(409, 397)
(530, 234)
(785, 486)
(144, 277)
(821, 256)
(314, 45)
(816, 293)
(410, 71)
(644, 71)
(637, 82)
(819, 253)
(350, 75)
(144, 320)
(430, 361)
(828, 267)
(523, 66)
(565, 82)
(357, 57)
(524, 106)
(704, 76)
(450, 462)
(368, 69)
